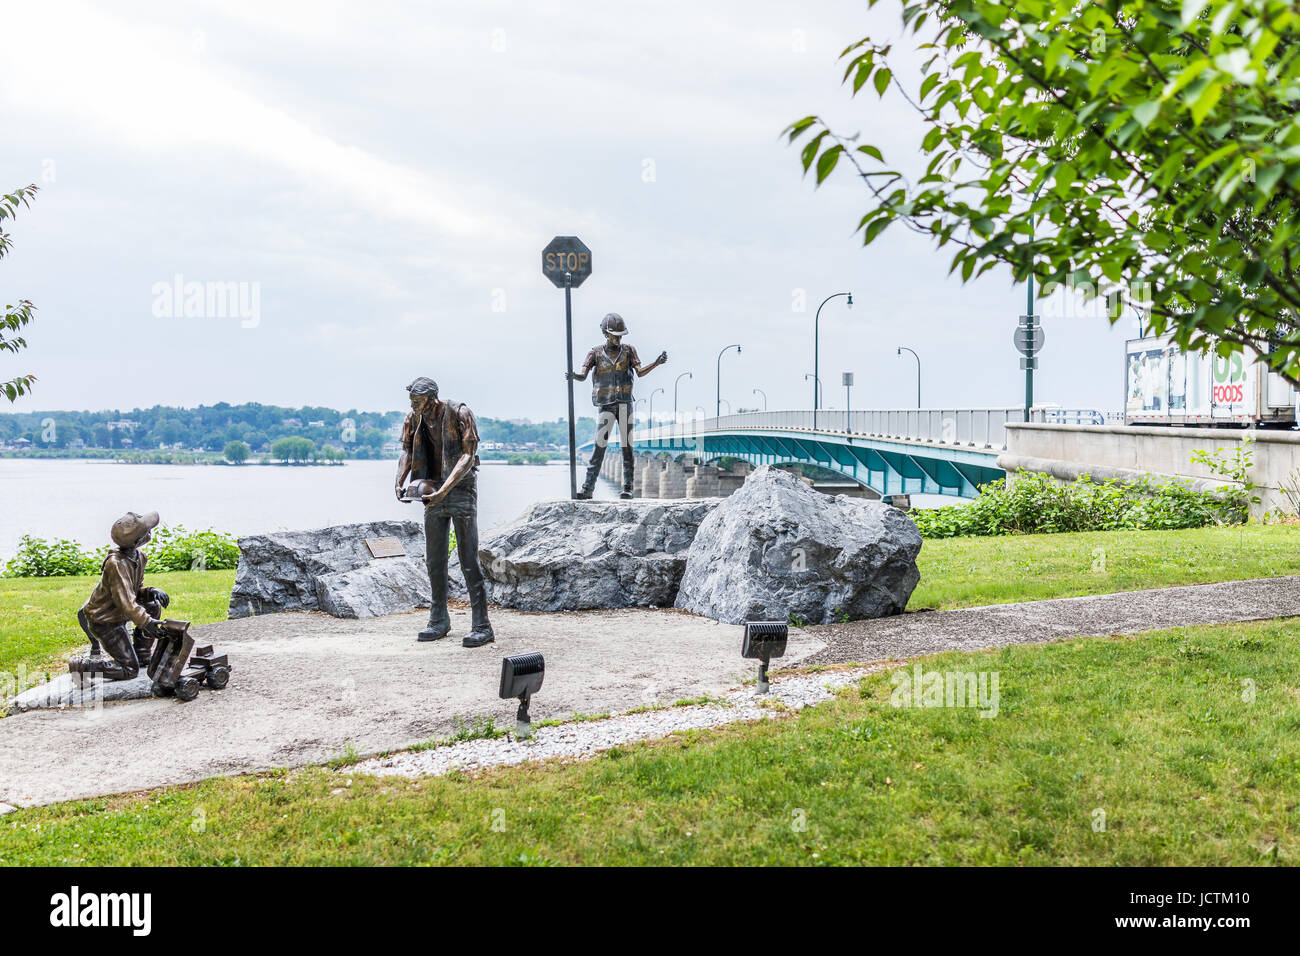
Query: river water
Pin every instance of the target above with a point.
(80, 499)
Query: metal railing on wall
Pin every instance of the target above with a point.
(971, 427)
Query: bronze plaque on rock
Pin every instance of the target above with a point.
(386, 547)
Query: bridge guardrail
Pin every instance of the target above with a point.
(970, 427)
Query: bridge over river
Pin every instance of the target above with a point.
(949, 451)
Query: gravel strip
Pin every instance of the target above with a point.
(579, 740)
(1029, 622)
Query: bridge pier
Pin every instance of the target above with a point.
(729, 482)
(650, 474)
(638, 474)
(672, 480)
(704, 483)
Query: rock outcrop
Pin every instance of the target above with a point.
(778, 550)
(331, 570)
(575, 555)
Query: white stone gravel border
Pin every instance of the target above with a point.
(579, 740)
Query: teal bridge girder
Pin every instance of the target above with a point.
(887, 468)
(895, 451)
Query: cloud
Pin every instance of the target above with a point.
(157, 89)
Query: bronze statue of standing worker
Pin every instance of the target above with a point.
(440, 456)
(614, 365)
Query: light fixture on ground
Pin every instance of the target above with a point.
(521, 677)
(763, 641)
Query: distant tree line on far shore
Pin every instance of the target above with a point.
(252, 431)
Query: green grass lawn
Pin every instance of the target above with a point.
(38, 616)
(963, 572)
(1143, 751)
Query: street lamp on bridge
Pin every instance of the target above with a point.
(717, 408)
(759, 391)
(817, 350)
(675, 384)
(652, 405)
(901, 350)
(817, 394)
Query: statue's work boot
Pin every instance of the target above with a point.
(627, 494)
(438, 628)
(478, 637)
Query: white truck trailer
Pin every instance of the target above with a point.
(1164, 385)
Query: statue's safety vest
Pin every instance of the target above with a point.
(434, 455)
(611, 380)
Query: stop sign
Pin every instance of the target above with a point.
(566, 254)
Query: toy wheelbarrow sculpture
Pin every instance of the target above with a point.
(173, 676)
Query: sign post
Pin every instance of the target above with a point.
(848, 389)
(566, 261)
(1028, 340)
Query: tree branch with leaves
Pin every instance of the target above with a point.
(15, 317)
(1147, 150)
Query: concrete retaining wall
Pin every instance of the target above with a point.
(1128, 452)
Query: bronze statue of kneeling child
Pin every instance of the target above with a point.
(123, 618)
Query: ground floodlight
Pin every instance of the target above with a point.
(521, 676)
(764, 640)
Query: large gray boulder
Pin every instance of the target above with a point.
(331, 570)
(575, 555)
(777, 550)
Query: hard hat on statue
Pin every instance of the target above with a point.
(613, 324)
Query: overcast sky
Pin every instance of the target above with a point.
(382, 176)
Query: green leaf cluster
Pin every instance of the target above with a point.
(1150, 148)
(14, 317)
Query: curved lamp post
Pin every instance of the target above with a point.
(901, 350)
(817, 393)
(717, 408)
(817, 350)
(759, 391)
(652, 405)
(675, 384)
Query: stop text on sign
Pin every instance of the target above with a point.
(567, 261)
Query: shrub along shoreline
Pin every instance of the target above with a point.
(172, 549)
(1037, 504)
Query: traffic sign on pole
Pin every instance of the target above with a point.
(566, 254)
(566, 261)
(1028, 340)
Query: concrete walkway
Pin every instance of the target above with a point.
(970, 629)
(305, 686)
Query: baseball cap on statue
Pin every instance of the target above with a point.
(423, 386)
(131, 527)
